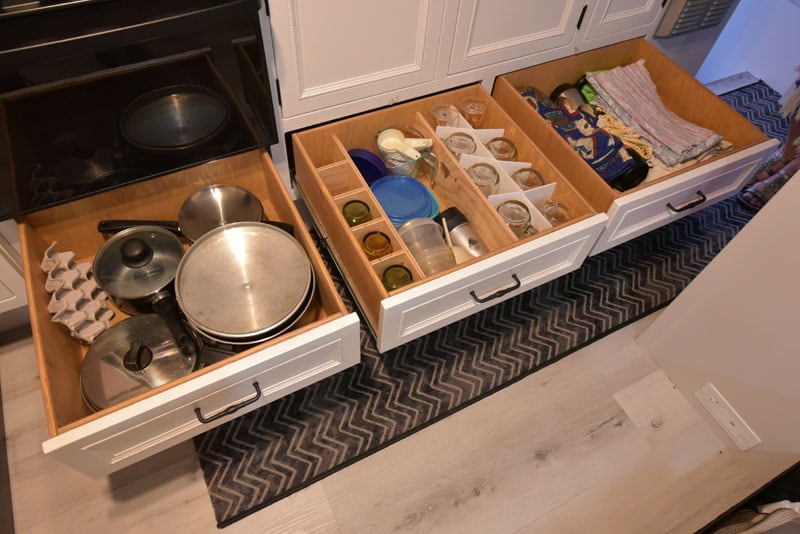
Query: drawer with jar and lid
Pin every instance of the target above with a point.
(459, 227)
(132, 390)
(668, 192)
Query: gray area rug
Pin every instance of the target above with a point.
(268, 454)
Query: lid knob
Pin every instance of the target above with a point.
(137, 357)
(136, 253)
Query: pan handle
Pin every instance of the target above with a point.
(112, 226)
(167, 307)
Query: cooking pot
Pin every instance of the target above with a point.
(174, 124)
(137, 268)
(130, 357)
(204, 210)
(244, 283)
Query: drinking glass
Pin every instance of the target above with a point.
(517, 216)
(474, 110)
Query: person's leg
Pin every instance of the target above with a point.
(783, 155)
(754, 197)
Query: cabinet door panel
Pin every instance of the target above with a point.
(331, 53)
(617, 20)
(491, 32)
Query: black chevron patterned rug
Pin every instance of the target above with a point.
(295, 441)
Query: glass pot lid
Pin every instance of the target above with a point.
(133, 356)
(137, 262)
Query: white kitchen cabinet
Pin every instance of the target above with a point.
(330, 53)
(334, 59)
(488, 33)
(611, 21)
(13, 302)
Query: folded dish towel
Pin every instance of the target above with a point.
(630, 94)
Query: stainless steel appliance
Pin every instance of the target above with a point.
(95, 94)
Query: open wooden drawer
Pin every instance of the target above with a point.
(658, 200)
(326, 178)
(324, 341)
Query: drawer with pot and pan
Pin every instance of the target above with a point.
(399, 165)
(213, 316)
(667, 193)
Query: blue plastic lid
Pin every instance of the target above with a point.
(370, 165)
(402, 198)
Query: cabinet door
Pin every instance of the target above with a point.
(12, 283)
(611, 21)
(488, 33)
(332, 53)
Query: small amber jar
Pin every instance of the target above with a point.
(376, 244)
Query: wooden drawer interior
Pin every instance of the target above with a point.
(328, 178)
(679, 91)
(74, 227)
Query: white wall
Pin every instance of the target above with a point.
(761, 37)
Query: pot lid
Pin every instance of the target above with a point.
(243, 279)
(174, 117)
(133, 356)
(402, 198)
(137, 262)
(216, 205)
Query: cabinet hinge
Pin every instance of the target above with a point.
(580, 18)
(663, 3)
(278, 90)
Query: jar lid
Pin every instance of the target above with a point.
(402, 198)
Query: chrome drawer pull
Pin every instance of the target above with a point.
(230, 409)
(690, 205)
(499, 293)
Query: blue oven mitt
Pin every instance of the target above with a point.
(603, 151)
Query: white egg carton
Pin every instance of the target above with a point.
(76, 301)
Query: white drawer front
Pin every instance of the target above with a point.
(636, 213)
(426, 308)
(154, 424)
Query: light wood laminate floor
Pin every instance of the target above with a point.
(598, 442)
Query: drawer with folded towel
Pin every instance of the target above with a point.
(651, 145)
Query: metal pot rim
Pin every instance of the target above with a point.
(253, 285)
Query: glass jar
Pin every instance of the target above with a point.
(556, 213)
(396, 276)
(517, 216)
(528, 178)
(502, 148)
(356, 212)
(376, 244)
(474, 110)
(460, 143)
(485, 177)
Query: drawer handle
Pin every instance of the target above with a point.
(690, 205)
(499, 293)
(230, 409)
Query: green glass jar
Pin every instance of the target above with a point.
(396, 276)
(356, 212)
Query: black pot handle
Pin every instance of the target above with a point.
(112, 226)
(230, 409)
(167, 307)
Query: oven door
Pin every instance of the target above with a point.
(99, 93)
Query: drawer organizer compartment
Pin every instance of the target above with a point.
(327, 177)
(667, 193)
(323, 341)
